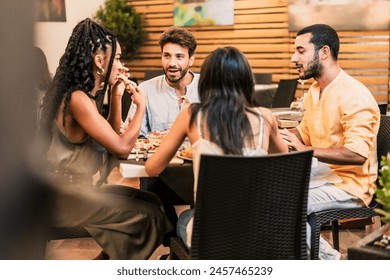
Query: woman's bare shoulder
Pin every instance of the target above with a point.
(265, 112)
(79, 95)
(81, 104)
(80, 98)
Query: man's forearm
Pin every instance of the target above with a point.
(342, 156)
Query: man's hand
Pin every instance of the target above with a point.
(292, 141)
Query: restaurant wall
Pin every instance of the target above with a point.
(261, 32)
(52, 37)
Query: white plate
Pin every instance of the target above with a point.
(180, 156)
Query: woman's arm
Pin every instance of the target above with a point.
(276, 142)
(115, 108)
(85, 113)
(171, 143)
(115, 111)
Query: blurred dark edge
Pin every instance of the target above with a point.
(24, 196)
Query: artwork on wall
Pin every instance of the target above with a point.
(347, 15)
(51, 10)
(203, 12)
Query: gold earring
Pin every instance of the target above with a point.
(100, 71)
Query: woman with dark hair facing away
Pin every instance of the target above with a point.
(126, 222)
(224, 122)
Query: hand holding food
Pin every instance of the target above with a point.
(129, 85)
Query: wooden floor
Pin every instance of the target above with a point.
(87, 248)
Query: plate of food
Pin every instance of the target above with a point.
(185, 153)
(157, 134)
(151, 142)
(145, 144)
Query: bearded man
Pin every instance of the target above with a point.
(165, 97)
(168, 93)
(340, 124)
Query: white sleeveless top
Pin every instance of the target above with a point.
(204, 146)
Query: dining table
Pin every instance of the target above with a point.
(264, 94)
(286, 117)
(178, 175)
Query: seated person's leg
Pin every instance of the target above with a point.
(182, 224)
(168, 197)
(324, 197)
(132, 192)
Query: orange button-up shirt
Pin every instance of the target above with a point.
(347, 115)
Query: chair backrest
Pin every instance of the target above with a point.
(285, 93)
(152, 73)
(383, 138)
(382, 147)
(263, 78)
(383, 107)
(252, 207)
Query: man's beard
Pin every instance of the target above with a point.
(174, 79)
(314, 69)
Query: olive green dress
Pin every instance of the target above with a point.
(126, 222)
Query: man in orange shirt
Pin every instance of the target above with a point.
(340, 123)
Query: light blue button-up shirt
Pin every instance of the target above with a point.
(162, 106)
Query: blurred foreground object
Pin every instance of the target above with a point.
(23, 196)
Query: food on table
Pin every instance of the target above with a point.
(146, 144)
(152, 142)
(158, 134)
(186, 152)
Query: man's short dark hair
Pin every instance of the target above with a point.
(179, 36)
(321, 35)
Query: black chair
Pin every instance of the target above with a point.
(285, 93)
(333, 216)
(263, 78)
(244, 211)
(382, 107)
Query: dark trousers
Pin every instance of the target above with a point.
(169, 199)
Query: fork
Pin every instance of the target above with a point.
(145, 154)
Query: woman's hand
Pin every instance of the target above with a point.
(118, 88)
(138, 97)
(123, 83)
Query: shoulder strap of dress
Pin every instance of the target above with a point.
(261, 129)
(198, 119)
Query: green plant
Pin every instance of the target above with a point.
(383, 193)
(125, 22)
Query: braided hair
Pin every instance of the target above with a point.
(75, 70)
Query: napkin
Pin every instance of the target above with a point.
(321, 174)
(129, 170)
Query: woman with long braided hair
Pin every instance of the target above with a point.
(126, 222)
